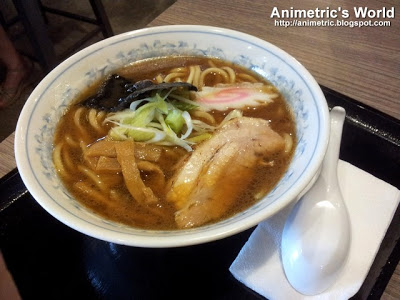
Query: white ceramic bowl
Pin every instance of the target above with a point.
(36, 124)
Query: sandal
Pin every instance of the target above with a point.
(8, 96)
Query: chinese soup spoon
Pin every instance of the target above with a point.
(316, 236)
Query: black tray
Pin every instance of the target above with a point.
(48, 260)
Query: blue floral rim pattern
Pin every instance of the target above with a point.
(158, 48)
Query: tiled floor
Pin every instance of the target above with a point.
(124, 15)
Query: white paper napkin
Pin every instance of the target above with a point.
(371, 203)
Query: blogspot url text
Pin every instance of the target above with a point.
(331, 23)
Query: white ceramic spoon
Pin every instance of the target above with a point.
(316, 237)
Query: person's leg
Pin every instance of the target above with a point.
(16, 68)
(8, 290)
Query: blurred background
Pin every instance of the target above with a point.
(68, 26)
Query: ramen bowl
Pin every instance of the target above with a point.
(50, 99)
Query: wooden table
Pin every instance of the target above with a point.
(362, 63)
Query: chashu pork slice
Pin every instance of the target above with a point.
(210, 179)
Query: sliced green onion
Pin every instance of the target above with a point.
(163, 119)
(193, 104)
(136, 103)
(142, 117)
(118, 133)
(156, 134)
(201, 126)
(189, 124)
(175, 120)
(199, 138)
(171, 136)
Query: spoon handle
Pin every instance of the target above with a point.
(329, 168)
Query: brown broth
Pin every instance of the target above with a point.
(123, 208)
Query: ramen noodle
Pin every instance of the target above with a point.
(174, 142)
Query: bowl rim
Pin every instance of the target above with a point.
(181, 237)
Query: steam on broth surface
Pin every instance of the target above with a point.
(169, 157)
